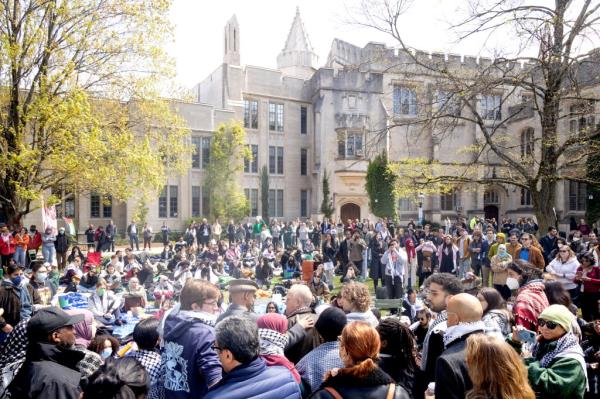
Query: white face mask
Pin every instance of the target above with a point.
(512, 283)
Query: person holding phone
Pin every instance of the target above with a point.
(556, 367)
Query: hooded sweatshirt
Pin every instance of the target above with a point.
(189, 365)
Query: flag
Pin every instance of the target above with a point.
(49, 218)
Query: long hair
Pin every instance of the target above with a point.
(493, 298)
(400, 342)
(361, 343)
(496, 370)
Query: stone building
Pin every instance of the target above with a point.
(303, 120)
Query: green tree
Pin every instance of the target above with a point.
(80, 109)
(326, 205)
(380, 185)
(544, 73)
(264, 193)
(227, 154)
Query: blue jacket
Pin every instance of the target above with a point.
(189, 365)
(257, 381)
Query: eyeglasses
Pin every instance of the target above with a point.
(550, 325)
(216, 348)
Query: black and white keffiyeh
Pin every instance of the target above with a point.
(271, 342)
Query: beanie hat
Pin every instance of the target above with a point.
(501, 235)
(558, 314)
(330, 323)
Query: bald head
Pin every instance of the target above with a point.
(464, 308)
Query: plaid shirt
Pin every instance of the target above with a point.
(319, 361)
(151, 362)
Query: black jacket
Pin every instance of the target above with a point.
(62, 243)
(451, 374)
(373, 386)
(48, 372)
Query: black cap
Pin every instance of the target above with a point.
(50, 319)
(330, 323)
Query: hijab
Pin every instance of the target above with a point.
(83, 330)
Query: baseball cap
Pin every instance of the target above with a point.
(48, 320)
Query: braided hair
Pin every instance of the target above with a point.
(400, 342)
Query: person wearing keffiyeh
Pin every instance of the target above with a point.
(557, 366)
(272, 328)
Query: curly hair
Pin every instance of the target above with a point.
(358, 295)
(400, 342)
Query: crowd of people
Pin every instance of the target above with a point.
(265, 309)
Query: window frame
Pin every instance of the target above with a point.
(493, 113)
(250, 113)
(303, 119)
(404, 101)
(276, 111)
(303, 161)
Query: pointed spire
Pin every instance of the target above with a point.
(297, 52)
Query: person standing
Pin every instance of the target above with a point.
(217, 230)
(589, 274)
(164, 231)
(395, 260)
(203, 233)
(500, 263)
(529, 253)
(90, 235)
(377, 271)
(21, 243)
(48, 248)
(464, 253)
(62, 246)
(564, 269)
(133, 236)
(148, 235)
(298, 311)
(548, 243)
(356, 250)
(7, 246)
(111, 234)
(231, 232)
(35, 241)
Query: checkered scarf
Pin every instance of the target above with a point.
(271, 342)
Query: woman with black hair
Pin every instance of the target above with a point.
(118, 379)
(16, 298)
(397, 352)
(588, 273)
(75, 251)
(495, 315)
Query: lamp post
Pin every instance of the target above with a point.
(421, 199)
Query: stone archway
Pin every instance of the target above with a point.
(349, 211)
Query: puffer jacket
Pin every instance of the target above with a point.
(564, 272)
(374, 385)
(256, 380)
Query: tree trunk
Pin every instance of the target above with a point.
(12, 208)
(543, 204)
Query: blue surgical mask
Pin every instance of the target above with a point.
(106, 353)
(17, 280)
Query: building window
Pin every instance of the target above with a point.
(205, 202)
(527, 143)
(95, 206)
(303, 120)
(107, 207)
(252, 197)
(580, 123)
(350, 145)
(406, 205)
(449, 201)
(276, 117)
(251, 114)
(405, 101)
(275, 160)
(448, 103)
(276, 203)
(162, 203)
(303, 161)
(173, 201)
(303, 203)
(70, 207)
(205, 151)
(201, 155)
(491, 106)
(196, 198)
(491, 198)
(251, 166)
(577, 196)
(525, 197)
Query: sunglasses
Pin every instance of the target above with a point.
(550, 325)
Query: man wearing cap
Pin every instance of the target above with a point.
(242, 293)
(50, 368)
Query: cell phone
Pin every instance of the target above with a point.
(527, 336)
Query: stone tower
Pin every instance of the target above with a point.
(297, 58)
(231, 39)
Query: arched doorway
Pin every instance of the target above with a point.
(491, 200)
(349, 211)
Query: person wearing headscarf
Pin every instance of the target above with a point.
(272, 329)
(556, 368)
(499, 264)
(84, 333)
